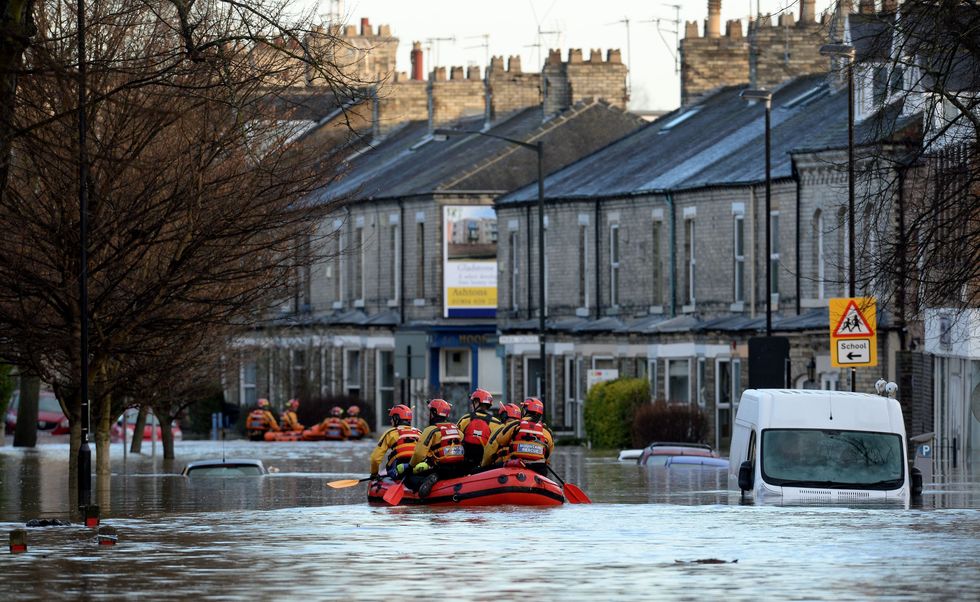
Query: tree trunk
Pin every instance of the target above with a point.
(16, 31)
(137, 443)
(167, 435)
(103, 467)
(25, 434)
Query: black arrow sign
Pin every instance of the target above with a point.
(851, 355)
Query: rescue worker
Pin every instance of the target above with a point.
(528, 441)
(333, 427)
(260, 421)
(289, 420)
(439, 451)
(477, 427)
(358, 427)
(507, 413)
(398, 443)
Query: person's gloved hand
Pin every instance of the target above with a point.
(375, 476)
(400, 469)
(421, 467)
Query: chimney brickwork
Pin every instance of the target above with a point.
(767, 56)
(566, 83)
(455, 98)
(511, 89)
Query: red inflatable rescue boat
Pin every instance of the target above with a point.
(500, 486)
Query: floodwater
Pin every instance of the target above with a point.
(288, 536)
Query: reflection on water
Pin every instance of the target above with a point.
(287, 535)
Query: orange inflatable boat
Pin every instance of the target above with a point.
(283, 436)
(517, 486)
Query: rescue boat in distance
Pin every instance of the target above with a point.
(497, 487)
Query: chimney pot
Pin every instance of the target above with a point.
(808, 12)
(417, 69)
(456, 73)
(595, 56)
(365, 27)
(438, 74)
(574, 55)
(867, 7)
(889, 6)
(712, 28)
(691, 29)
(554, 56)
(614, 56)
(513, 64)
(733, 29)
(473, 72)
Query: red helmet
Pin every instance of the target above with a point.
(263, 403)
(353, 411)
(510, 411)
(482, 397)
(533, 405)
(440, 407)
(293, 403)
(336, 411)
(402, 412)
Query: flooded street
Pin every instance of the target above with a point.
(286, 535)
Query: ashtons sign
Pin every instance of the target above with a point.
(469, 262)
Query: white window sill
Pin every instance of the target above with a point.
(582, 312)
(359, 303)
(774, 300)
(656, 309)
(738, 306)
(392, 302)
(613, 311)
(813, 302)
(688, 309)
(338, 305)
(418, 302)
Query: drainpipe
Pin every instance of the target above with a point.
(673, 253)
(799, 188)
(902, 258)
(401, 263)
(752, 281)
(529, 300)
(598, 269)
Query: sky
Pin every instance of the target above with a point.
(513, 25)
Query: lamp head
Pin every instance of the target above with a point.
(842, 51)
(757, 95)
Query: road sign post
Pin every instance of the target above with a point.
(853, 334)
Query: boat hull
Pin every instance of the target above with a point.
(500, 486)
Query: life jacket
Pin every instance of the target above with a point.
(257, 421)
(450, 450)
(477, 430)
(290, 422)
(529, 442)
(333, 428)
(404, 445)
(354, 424)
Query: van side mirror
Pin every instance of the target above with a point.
(746, 474)
(916, 481)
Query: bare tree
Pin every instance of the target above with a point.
(199, 200)
(919, 170)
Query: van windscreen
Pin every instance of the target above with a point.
(832, 459)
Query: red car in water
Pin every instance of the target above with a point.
(50, 418)
(148, 430)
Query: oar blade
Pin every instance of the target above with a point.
(575, 495)
(394, 494)
(343, 483)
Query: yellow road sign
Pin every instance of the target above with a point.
(853, 332)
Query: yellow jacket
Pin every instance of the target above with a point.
(429, 442)
(501, 441)
(385, 443)
(360, 424)
(290, 422)
(271, 419)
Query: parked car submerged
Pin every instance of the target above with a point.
(225, 468)
(152, 424)
(661, 454)
(50, 418)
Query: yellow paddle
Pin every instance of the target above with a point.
(343, 483)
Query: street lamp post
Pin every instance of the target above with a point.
(84, 460)
(538, 147)
(846, 53)
(766, 97)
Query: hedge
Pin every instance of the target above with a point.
(609, 410)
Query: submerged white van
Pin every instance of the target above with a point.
(819, 446)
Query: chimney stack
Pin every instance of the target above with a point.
(365, 27)
(417, 72)
(713, 27)
(808, 12)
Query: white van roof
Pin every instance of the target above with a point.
(799, 408)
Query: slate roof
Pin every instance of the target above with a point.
(719, 141)
(408, 162)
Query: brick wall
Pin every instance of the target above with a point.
(511, 90)
(457, 97)
(565, 83)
